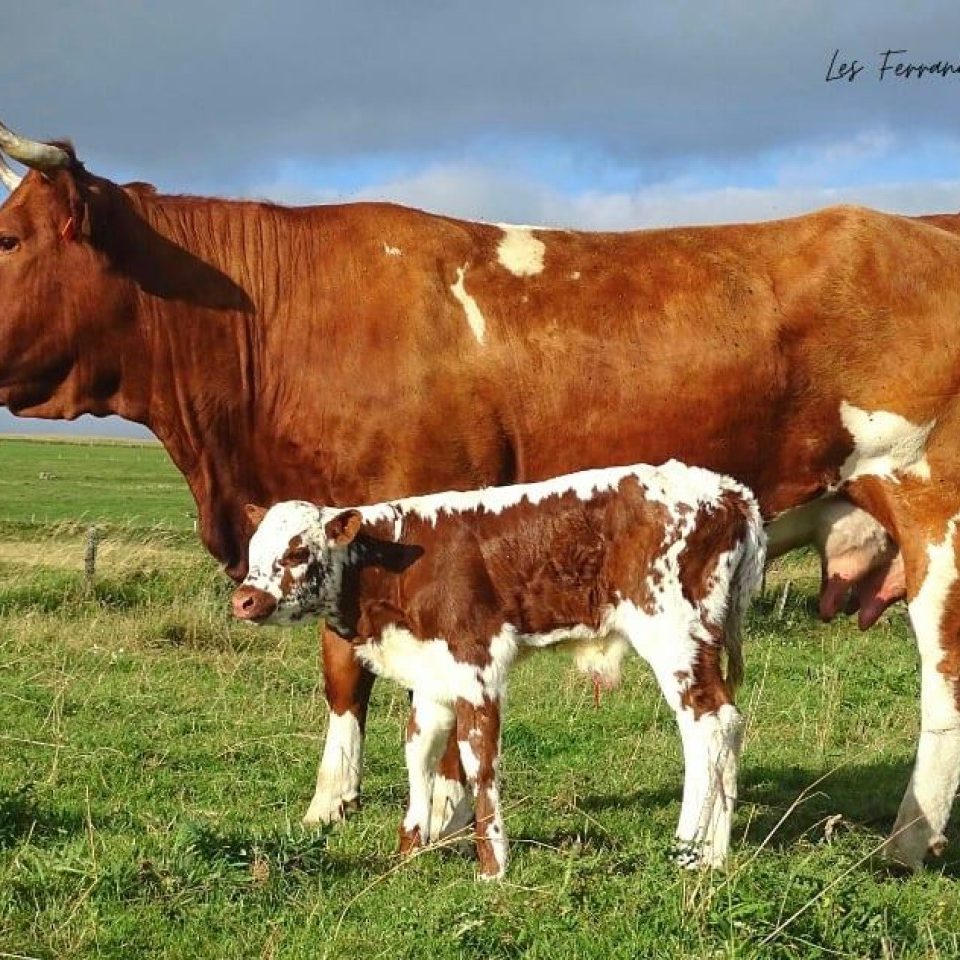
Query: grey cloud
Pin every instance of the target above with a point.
(207, 93)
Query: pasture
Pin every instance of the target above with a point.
(155, 759)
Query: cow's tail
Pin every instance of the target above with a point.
(745, 583)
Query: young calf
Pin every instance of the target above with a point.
(443, 592)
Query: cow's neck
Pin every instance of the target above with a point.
(194, 381)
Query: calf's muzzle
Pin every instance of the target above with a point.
(252, 603)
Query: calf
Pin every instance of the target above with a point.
(443, 592)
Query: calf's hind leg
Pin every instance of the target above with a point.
(478, 733)
(711, 732)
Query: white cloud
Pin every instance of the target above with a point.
(481, 192)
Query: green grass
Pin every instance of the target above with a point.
(157, 758)
(133, 484)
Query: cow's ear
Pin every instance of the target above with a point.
(254, 514)
(77, 223)
(343, 527)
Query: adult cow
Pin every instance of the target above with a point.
(355, 353)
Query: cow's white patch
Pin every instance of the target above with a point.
(885, 444)
(520, 251)
(926, 804)
(843, 528)
(474, 317)
(575, 275)
(338, 779)
(392, 251)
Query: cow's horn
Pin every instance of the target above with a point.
(7, 177)
(42, 156)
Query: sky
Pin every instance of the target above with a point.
(608, 115)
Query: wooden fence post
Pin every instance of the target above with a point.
(90, 555)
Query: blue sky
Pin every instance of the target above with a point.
(613, 115)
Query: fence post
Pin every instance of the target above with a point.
(90, 555)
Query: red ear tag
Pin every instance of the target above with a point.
(69, 230)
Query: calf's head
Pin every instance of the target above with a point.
(297, 556)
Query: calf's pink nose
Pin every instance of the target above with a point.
(252, 603)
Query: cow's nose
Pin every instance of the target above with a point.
(252, 603)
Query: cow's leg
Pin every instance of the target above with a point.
(919, 511)
(452, 803)
(478, 733)
(427, 730)
(347, 686)
(935, 615)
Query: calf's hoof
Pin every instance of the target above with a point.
(905, 852)
(325, 810)
(692, 856)
(685, 855)
(410, 841)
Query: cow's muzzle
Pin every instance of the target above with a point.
(252, 603)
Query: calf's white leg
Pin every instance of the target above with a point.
(338, 778)
(686, 664)
(478, 733)
(427, 730)
(711, 749)
(452, 804)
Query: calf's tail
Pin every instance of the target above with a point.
(745, 584)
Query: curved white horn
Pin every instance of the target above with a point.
(42, 156)
(7, 177)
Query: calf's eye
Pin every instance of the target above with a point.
(293, 558)
(8, 243)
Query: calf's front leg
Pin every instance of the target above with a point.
(452, 803)
(347, 686)
(427, 730)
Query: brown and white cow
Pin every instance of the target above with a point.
(352, 353)
(442, 593)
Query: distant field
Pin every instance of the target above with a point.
(156, 759)
(134, 484)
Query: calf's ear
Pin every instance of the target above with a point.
(343, 527)
(254, 514)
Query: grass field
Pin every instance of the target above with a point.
(156, 759)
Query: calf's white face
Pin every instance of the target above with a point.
(296, 557)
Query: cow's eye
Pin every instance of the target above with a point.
(8, 243)
(296, 557)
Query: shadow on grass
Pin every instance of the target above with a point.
(865, 796)
(23, 818)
